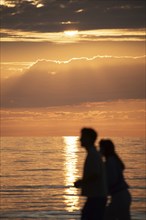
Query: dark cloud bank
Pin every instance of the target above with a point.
(52, 84)
(60, 15)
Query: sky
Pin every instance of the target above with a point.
(67, 64)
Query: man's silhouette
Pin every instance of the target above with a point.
(93, 182)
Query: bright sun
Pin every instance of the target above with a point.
(71, 33)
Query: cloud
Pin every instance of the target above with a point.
(97, 111)
(8, 68)
(78, 37)
(56, 16)
(117, 118)
(78, 80)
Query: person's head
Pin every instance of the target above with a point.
(88, 137)
(107, 147)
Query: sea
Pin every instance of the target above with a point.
(37, 176)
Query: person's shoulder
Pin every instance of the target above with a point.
(96, 154)
(111, 160)
(94, 150)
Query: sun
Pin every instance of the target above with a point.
(71, 33)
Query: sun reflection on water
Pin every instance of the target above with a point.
(71, 197)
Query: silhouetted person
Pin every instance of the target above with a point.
(93, 182)
(119, 206)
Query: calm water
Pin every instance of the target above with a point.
(37, 176)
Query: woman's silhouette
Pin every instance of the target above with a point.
(119, 206)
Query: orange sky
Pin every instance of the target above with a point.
(89, 90)
(55, 82)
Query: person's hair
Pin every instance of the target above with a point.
(90, 133)
(107, 148)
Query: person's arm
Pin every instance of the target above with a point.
(91, 171)
(78, 183)
(112, 172)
